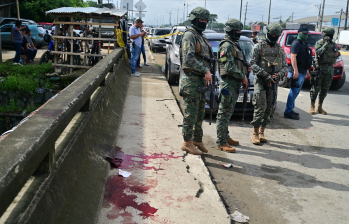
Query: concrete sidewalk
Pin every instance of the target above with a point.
(166, 185)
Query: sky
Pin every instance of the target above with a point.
(256, 9)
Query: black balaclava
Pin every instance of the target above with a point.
(198, 26)
(330, 36)
(271, 40)
(234, 35)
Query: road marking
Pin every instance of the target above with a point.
(346, 65)
(344, 53)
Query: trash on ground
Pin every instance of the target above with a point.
(124, 173)
(227, 165)
(239, 217)
(114, 162)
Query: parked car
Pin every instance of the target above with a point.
(209, 31)
(285, 41)
(36, 36)
(10, 20)
(246, 45)
(155, 44)
(172, 64)
(247, 33)
(46, 26)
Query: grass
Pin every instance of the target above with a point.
(29, 69)
(158, 65)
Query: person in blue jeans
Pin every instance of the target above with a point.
(136, 38)
(18, 40)
(301, 57)
(142, 52)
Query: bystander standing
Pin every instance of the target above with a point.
(18, 40)
(136, 38)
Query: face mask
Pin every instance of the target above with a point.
(234, 35)
(272, 39)
(199, 26)
(302, 36)
(330, 36)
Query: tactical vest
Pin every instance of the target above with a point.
(202, 47)
(238, 58)
(270, 54)
(304, 57)
(329, 56)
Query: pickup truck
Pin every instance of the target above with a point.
(285, 41)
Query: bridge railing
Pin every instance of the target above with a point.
(30, 148)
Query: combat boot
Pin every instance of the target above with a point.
(226, 148)
(320, 110)
(312, 108)
(201, 146)
(261, 135)
(189, 147)
(255, 136)
(232, 142)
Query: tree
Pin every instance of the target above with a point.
(213, 17)
(91, 3)
(35, 9)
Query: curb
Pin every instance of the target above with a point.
(344, 53)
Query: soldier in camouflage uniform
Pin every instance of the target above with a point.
(325, 53)
(263, 55)
(254, 37)
(196, 74)
(232, 71)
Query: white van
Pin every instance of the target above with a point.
(343, 39)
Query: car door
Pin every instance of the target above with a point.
(6, 34)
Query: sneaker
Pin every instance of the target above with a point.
(15, 63)
(140, 66)
(291, 116)
(146, 64)
(292, 112)
(136, 74)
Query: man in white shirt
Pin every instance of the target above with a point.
(136, 38)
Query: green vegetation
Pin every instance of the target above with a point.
(12, 107)
(8, 69)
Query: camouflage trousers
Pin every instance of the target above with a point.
(262, 108)
(226, 108)
(323, 84)
(194, 106)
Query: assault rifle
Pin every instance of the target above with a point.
(246, 89)
(273, 88)
(315, 75)
(212, 86)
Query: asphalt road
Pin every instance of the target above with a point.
(299, 176)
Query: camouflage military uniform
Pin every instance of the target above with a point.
(194, 70)
(254, 40)
(325, 81)
(231, 79)
(262, 93)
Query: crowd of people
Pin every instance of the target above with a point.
(24, 46)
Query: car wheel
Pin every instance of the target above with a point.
(45, 57)
(337, 84)
(347, 47)
(171, 79)
(283, 82)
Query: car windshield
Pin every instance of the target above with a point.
(47, 27)
(162, 32)
(246, 47)
(312, 39)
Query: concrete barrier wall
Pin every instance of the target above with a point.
(57, 177)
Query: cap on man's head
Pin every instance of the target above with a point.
(139, 21)
(303, 30)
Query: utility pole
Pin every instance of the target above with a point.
(240, 10)
(177, 15)
(346, 16)
(262, 18)
(205, 3)
(17, 5)
(269, 12)
(245, 14)
(292, 17)
(322, 14)
(340, 18)
(184, 14)
(317, 24)
(228, 16)
(187, 10)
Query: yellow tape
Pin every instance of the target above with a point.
(120, 41)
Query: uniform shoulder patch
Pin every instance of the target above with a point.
(222, 53)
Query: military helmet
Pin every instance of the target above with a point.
(199, 13)
(232, 24)
(327, 31)
(274, 29)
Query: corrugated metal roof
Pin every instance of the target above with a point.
(89, 10)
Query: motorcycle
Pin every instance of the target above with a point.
(76, 49)
(47, 56)
(96, 49)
